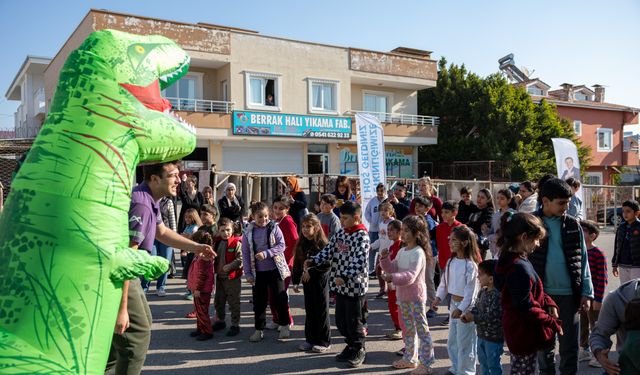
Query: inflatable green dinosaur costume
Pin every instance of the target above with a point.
(64, 231)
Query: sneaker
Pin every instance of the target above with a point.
(305, 347)
(422, 370)
(584, 355)
(188, 296)
(191, 315)
(257, 336)
(204, 336)
(195, 333)
(161, 293)
(219, 325)
(594, 363)
(381, 294)
(400, 352)
(320, 348)
(345, 354)
(284, 332)
(395, 335)
(357, 358)
(431, 314)
(445, 322)
(271, 325)
(233, 331)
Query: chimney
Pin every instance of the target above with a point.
(599, 89)
(567, 92)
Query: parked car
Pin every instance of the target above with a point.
(613, 216)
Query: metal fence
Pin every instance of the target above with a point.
(11, 150)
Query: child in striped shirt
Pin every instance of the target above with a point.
(598, 268)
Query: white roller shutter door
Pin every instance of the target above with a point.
(284, 158)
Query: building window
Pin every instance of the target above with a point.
(593, 178)
(184, 93)
(263, 91)
(534, 90)
(605, 137)
(577, 127)
(580, 96)
(323, 96)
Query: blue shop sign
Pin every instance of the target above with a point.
(289, 125)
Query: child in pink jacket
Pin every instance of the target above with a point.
(407, 273)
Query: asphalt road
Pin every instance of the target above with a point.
(172, 351)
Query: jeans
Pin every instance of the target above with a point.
(489, 353)
(568, 311)
(461, 345)
(166, 252)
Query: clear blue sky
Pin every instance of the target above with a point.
(580, 42)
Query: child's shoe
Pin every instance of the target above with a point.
(584, 355)
(404, 364)
(195, 333)
(357, 358)
(395, 335)
(431, 314)
(320, 348)
(345, 354)
(218, 325)
(422, 370)
(233, 331)
(257, 336)
(191, 315)
(204, 336)
(284, 332)
(161, 293)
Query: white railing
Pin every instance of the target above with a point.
(200, 105)
(403, 118)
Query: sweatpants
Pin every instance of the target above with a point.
(265, 282)
(203, 320)
(568, 311)
(461, 344)
(414, 316)
(129, 350)
(228, 291)
(317, 327)
(349, 311)
(272, 306)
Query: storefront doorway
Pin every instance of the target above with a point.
(317, 159)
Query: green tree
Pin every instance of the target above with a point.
(490, 119)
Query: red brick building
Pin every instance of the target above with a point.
(611, 130)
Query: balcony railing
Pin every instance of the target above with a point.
(200, 105)
(403, 118)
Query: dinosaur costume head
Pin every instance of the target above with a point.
(64, 239)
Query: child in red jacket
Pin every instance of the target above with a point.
(200, 283)
(289, 231)
(529, 315)
(228, 267)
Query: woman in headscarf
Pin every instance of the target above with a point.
(231, 206)
(297, 199)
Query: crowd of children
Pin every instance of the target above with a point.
(529, 291)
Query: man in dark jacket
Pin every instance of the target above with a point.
(399, 201)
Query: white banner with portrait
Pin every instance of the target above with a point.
(568, 165)
(371, 157)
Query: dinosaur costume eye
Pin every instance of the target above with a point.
(140, 49)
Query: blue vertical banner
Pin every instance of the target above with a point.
(371, 156)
